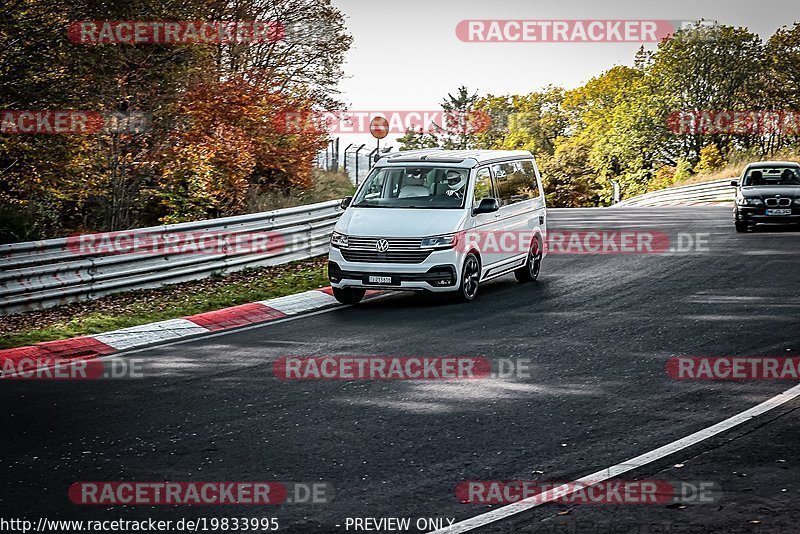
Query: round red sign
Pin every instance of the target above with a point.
(379, 127)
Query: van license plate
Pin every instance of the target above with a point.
(379, 280)
(779, 212)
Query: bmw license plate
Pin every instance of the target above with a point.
(779, 212)
(380, 280)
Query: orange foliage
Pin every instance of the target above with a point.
(231, 138)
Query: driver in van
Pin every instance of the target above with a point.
(456, 184)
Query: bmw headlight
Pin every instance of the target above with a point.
(440, 241)
(744, 201)
(339, 240)
(797, 202)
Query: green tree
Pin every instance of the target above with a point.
(718, 68)
(781, 87)
(711, 159)
(496, 110)
(533, 122)
(568, 180)
(457, 131)
(415, 139)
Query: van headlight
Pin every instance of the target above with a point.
(339, 240)
(744, 201)
(439, 242)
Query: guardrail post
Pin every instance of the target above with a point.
(615, 188)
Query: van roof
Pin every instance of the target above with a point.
(464, 158)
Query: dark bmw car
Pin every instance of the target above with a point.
(768, 192)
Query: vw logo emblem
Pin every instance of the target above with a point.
(382, 245)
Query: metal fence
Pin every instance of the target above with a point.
(704, 193)
(328, 159)
(356, 159)
(39, 274)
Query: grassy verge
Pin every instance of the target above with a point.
(734, 169)
(327, 185)
(168, 302)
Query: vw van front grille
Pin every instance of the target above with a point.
(399, 250)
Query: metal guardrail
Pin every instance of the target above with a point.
(40, 274)
(704, 193)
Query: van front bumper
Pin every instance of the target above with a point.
(434, 274)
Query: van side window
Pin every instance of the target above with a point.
(515, 182)
(483, 186)
(530, 176)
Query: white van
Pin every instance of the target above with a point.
(440, 221)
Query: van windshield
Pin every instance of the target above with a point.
(414, 187)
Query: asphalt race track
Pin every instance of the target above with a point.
(597, 329)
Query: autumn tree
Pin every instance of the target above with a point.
(54, 184)
(232, 143)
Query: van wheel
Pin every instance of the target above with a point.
(470, 278)
(530, 271)
(348, 295)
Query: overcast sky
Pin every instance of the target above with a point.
(406, 56)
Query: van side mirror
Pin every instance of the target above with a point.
(345, 202)
(735, 183)
(487, 205)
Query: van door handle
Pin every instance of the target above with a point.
(541, 219)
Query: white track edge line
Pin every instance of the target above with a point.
(616, 470)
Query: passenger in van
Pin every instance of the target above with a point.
(414, 186)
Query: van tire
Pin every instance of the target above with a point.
(470, 278)
(530, 271)
(348, 295)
